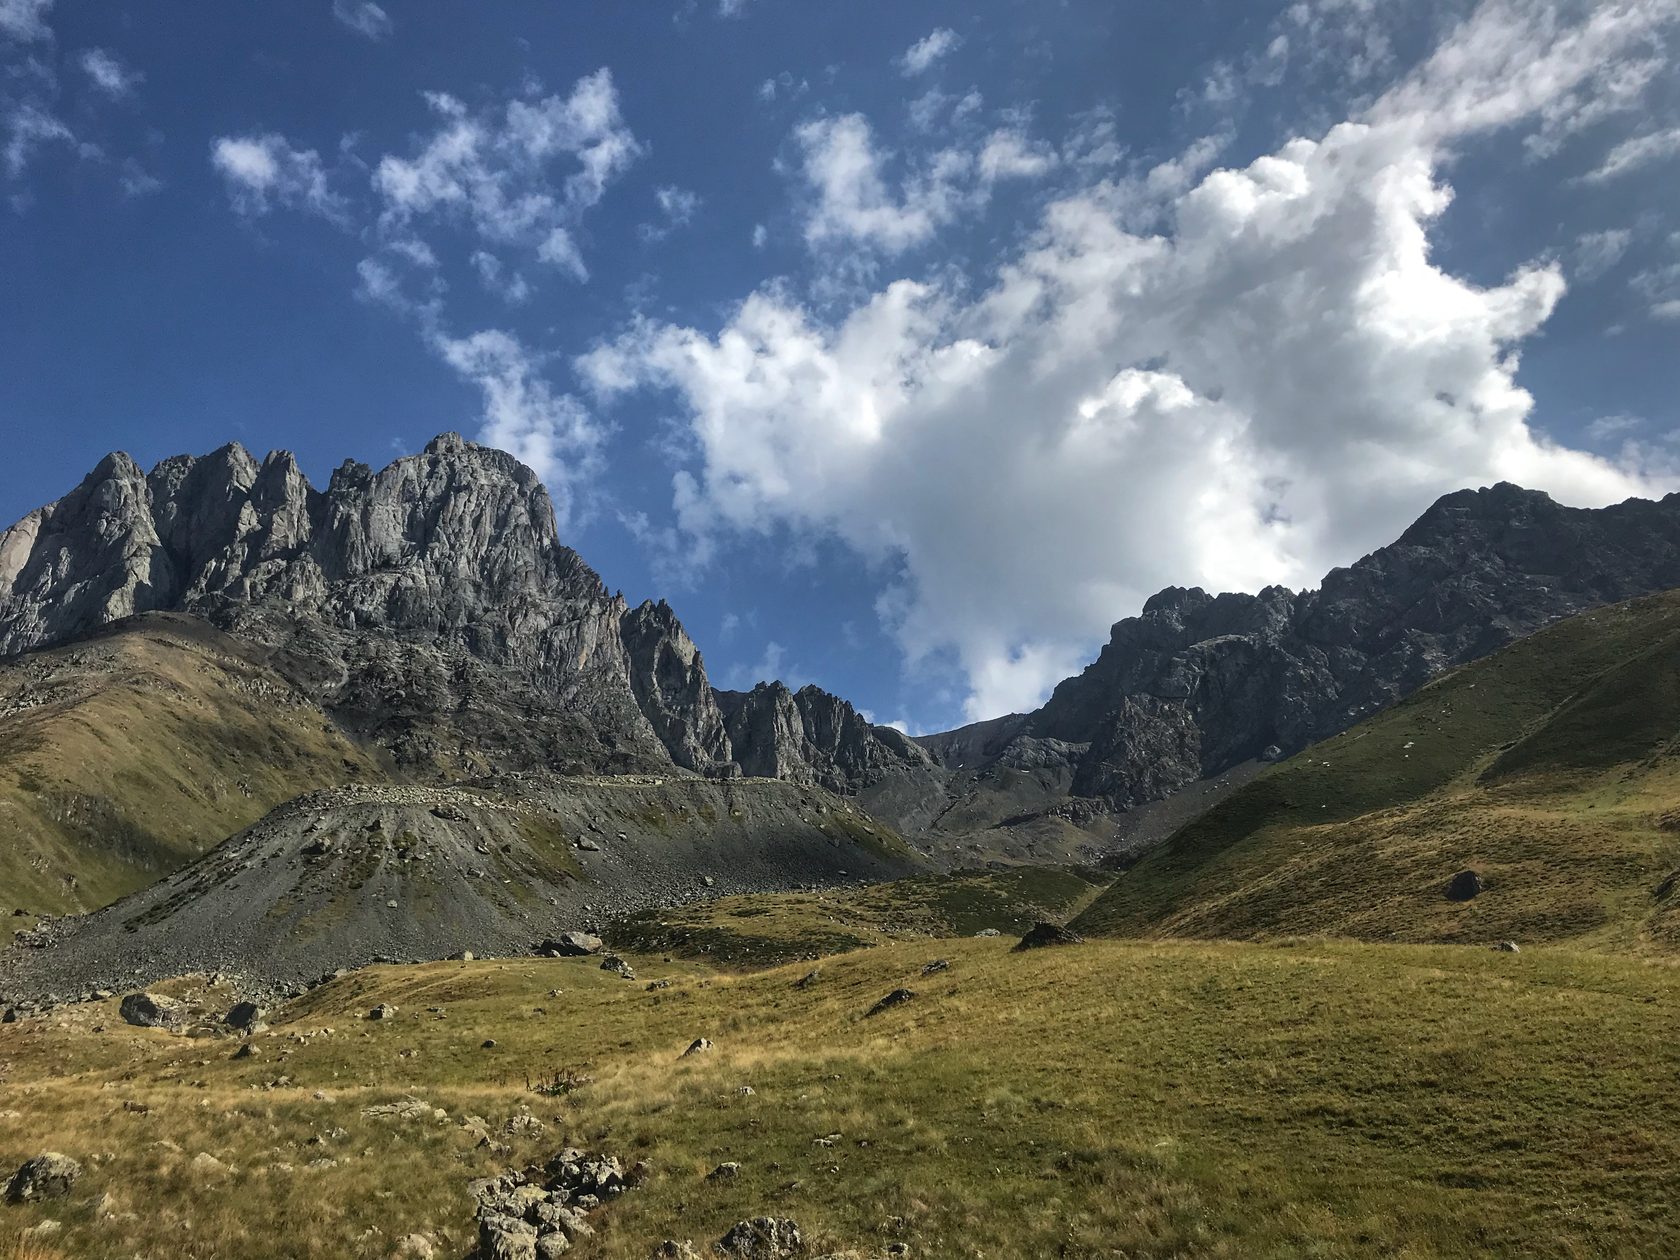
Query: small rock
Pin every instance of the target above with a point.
(762, 1238)
(47, 1176)
(1041, 935)
(415, 1247)
(708, 881)
(207, 1165)
(618, 966)
(726, 1171)
(698, 1046)
(671, 1249)
(896, 998)
(807, 980)
(247, 1051)
(489, 1043)
(935, 967)
(383, 1011)
(464, 955)
(1508, 947)
(1464, 885)
(988, 932)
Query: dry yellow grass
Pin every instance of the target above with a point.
(1114, 1099)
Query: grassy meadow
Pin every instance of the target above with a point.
(1114, 1099)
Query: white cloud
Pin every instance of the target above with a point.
(1007, 154)
(510, 286)
(851, 202)
(25, 20)
(494, 171)
(265, 171)
(678, 204)
(108, 74)
(1277, 380)
(551, 433)
(933, 46)
(732, 8)
(1606, 427)
(1597, 252)
(29, 126)
(1632, 154)
(364, 17)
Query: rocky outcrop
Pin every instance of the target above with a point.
(810, 736)
(430, 607)
(1198, 683)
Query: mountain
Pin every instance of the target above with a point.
(429, 607)
(1200, 690)
(346, 876)
(127, 754)
(1551, 769)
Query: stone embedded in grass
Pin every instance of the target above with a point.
(1464, 885)
(896, 998)
(935, 967)
(698, 1046)
(726, 1171)
(1507, 947)
(807, 980)
(570, 945)
(247, 1051)
(671, 1249)
(1041, 935)
(506, 1238)
(988, 932)
(762, 1238)
(47, 1176)
(618, 966)
(149, 1010)
(243, 1015)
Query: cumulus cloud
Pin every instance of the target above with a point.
(495, 169)
(263, 172)
(364, 17)
(108, 74)
(1275, 381)
(550, 432)
(921, 56)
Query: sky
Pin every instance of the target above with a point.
(902, 347)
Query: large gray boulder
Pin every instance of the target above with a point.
(46, 1176)
(152, 1010)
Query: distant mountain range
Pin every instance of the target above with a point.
(431, 619)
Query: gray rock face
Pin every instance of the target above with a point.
(425, 605)
(1199, 683)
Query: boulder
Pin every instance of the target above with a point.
(1042, 934)
(47, 1176)
(243, 1015)
(571, 945)
(150, 1010)
(896, 998)
(762, 1238)
(506, 1238)
(618, 966)
(1464, 885)
(383, 1011)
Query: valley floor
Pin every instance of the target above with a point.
(1103, 1100)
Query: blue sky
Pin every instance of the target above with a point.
(902, 347)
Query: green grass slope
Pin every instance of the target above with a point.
(1174, 1100)
(125, 756)
(1550, 768)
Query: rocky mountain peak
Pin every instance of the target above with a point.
(430, 603)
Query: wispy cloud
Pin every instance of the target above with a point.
(364, 17)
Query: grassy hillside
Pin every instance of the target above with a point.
(1550, 768)
(125, 756)
(1181, 1100)
(773, 928)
